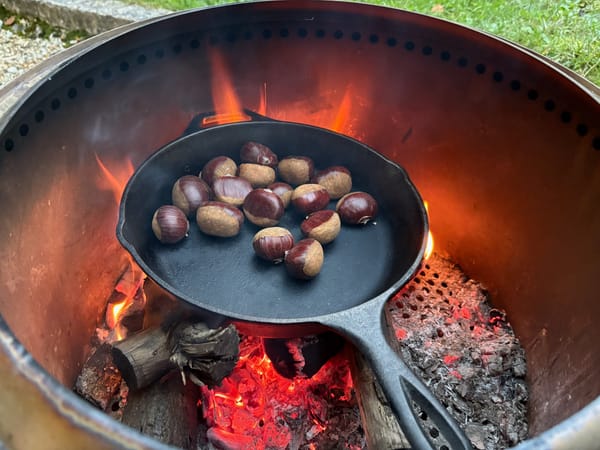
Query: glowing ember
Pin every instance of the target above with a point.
(429, 247)
(257, 408)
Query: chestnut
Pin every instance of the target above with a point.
(254, 152)
(169, 224)
(324, 226)
(256, 174)
(272, 243)
(263, 207)
(232, 190)
(336, 179)
(308, 198)
(219, 219)
(296, 170)
(189, 192)
(284, 191)
(357, 208)
(305, 259)
(220, 166)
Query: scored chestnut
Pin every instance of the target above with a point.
(272, 243)
(284, 191)
(296, 170)
(263, 207)
(257, 174)
(255, 152)
(357, 208)
(305, 259)
(324, 226)
(219, 166)
(308, 198)
(231, 189)
(219, 219)
(336, 179)
(189, 192)
(169, 224)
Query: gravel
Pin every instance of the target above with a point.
(19, 54)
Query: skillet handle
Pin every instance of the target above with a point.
(400, 385)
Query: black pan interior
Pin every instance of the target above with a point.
(222, 275)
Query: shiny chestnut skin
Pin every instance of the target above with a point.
(219, 219)
(219, 166)
(258, 175)
(305, 259)
(336, 179)
(357, 208)
(232, 190)
(324, 226)
(296, 170)
(284, 191)
(308, 198)
(189, 192)
(255, 152)
(169, 224)
(263, 207)
(272, 243)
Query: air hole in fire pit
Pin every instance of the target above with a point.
(596, 143)
(320, 33)
(391, 42)
(532, 94)
(194, 43)
(267, 34)
(356, 36)
(549, 105)
(409, 45)
(462, 62)
(480, 68)
(445, 55)
(124, 66)
(39, 116)
(159, 53)
(106, 74)
(89, 83)
(24, 130)
(9, 145)
(231, 37)
(248, 35)
(177, 48)
(427, 50)
(373, 39)
(213, 40)
(565, 116)
(515, 85)
(498, 76)
(581, 129)
(303, 33)
(55, 104)
(284, 32)
(72, 93)
(338, 34)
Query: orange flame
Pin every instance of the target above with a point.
(429, 246)
(343, 113)
(227, 105)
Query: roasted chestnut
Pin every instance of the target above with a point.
(336, 179)
(232, 190)
(254, 152)
(256, 174)
(305, 259)
(296, 170)
(324, 226)
(357, 208)
(220, 166)
(284, 191)
(308, 198)
(219, 219)
(263, 207)
(169, 224)
(189, 192)
(272, 243)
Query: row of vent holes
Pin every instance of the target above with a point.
(515, 85)
(433, 431)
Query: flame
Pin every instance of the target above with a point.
(429, 246)
(343, 114)
(227, 105)
(114, 180)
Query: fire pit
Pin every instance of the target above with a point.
(501, 143)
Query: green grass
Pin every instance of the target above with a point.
(567, 31)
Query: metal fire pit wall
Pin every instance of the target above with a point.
(503, 144)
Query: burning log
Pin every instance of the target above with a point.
(165, 410)
(205, 355)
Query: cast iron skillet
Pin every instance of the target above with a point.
(362, 267)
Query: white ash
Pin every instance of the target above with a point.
(465, 351)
